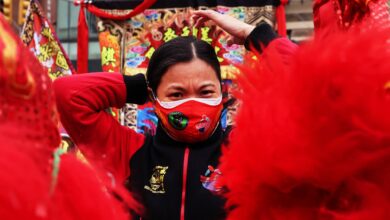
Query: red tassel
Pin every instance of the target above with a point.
(281, 18)
(82, 43)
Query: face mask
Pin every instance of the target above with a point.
(190, 120)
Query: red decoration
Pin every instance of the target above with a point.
(139, 9)
(312, 138)
(82, 43)
(28, 137)
(281, 18)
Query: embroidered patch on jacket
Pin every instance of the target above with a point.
(156, 181)
(209, 180)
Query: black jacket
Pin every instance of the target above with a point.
(166, 177)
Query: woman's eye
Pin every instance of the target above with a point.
(207, 92)
(176, 95)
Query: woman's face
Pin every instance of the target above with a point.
(194, 79)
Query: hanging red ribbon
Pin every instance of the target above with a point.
(281, 18)
(139, 9)
(82, 42)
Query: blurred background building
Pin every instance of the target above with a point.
(299, 16)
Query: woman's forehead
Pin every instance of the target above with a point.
(196, 70)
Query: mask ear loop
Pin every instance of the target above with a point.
(151, 90)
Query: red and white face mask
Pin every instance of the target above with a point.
(190, 120)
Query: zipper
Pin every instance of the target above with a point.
(184, 183)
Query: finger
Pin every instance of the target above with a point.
(194, 18)
(200, 13)
(206, 13)
(200, 22)
(230, 41)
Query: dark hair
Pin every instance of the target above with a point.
(178, 50)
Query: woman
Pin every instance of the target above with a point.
(184, 83)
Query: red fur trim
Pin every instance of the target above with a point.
(28, 136)
(313, 139)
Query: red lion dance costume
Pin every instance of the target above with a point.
(322, 126)
(28, 137)
(331, 16)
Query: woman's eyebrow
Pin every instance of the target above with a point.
(176, 87)
(207, 85)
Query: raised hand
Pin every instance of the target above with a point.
(237, 29)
